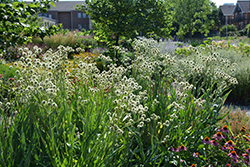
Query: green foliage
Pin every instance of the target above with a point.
(240, 65)
(236, 119)
(68, 113)
(230, 29)
(69, 39)
(88, 39)
(14, 30)
(114, 20)
(222, 145)
(7, 82)
(192, 16)
(247, 29)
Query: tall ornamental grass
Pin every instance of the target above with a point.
(145, 113)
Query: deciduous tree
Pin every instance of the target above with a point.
(13, 29)
(192, 16)
(128, 18)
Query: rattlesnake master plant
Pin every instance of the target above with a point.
(125, 115)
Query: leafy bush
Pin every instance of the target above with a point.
(230, 29)
(8, 77)
(247, 29)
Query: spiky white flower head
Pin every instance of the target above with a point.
(54, 105)
(44, 102)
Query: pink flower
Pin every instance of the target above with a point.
(245, 156)
(224, 129)
(196, 155)
(248, 150)
(229, 143)
(182, 148)
(231, 148)
(174, 149)
(206, 140)
(218, 136)
(233, 155)
(214, 143)
(235, 160)
(224, 147)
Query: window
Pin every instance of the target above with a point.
(85, 26)
(50, 16)
(39, 14)
(235, 15)
(79, 15)
(79, 26)
(83, 15)
(241, 26)
(45, 14)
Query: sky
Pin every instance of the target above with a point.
(217, 2)
(221, 2)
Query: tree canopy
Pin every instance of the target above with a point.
(13, 29)
(192, 16)
(128, 18)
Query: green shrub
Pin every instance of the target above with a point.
(247, 30)
(231, 29)
(8, 77)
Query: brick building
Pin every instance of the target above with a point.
(241, 14)
(66, 14)
(225, 14)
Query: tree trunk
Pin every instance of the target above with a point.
(190, 35)
(116, 44)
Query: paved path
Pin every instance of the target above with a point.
(235, 107)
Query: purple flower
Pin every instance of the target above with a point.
(229, 143)
(206, 140)
(224, 147)
(218, 136)
(233, 155)
(196, 155)
(245, 156)
(231, 148)
(182, 148)
(224, 129)
(235, 160)
(214, 143)
(174, 149)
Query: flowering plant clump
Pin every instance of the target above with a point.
(240, 66)
(70, 113)
(229, 150)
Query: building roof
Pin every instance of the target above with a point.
(245, 5)
(227, 9)
(65, 5)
